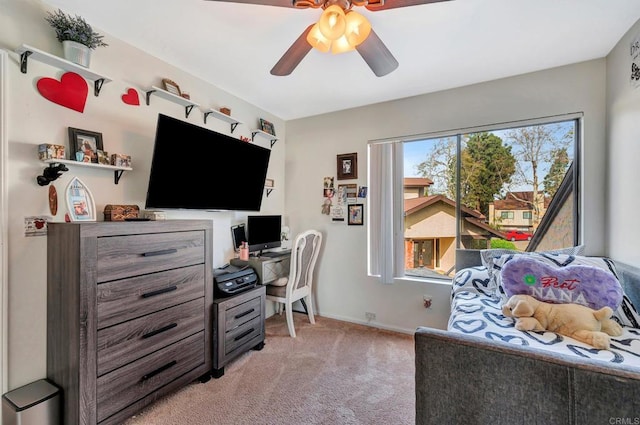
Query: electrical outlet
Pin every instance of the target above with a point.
(426, 301)
(370, 316)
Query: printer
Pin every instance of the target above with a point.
(230, 280)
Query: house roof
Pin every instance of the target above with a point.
(416, 204)
(518, 201)
(470, 215)
(417, 182)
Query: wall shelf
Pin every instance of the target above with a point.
(187, 103)
(223, 117)
(117, 171)
(27, 52)
(265, 135)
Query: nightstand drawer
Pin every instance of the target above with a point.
(126, 299)
(235, 316)
(128, 341)
(133, 255)
(130, 383)
(242, 334)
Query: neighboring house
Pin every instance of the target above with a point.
(516, 211)
(430, 229)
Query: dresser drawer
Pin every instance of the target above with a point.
(130, 383)
(242, 334)
(133, 255)
(272, 270)
(235, 316)
(126, 299)
(128, 341)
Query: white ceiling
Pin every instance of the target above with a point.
(439, 46)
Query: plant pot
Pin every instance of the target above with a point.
(76, 53)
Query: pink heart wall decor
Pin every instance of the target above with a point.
(70, 92)
(131, 97)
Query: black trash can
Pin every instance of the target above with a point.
(37, 403)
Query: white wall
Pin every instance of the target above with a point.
(126, 129)
(623, 140)
(343, 289)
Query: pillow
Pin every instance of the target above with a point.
(582, 284)
(488, 255)
(281, 281)
(626, 314)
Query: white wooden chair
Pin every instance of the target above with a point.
(298, 285)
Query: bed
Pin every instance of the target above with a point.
(482, 370)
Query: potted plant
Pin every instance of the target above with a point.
(76, 35)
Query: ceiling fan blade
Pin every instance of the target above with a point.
(293, 55)
(280, 3)
(393, 4)
(376, 55)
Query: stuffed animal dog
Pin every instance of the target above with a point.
(590, 326)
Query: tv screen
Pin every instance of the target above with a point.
(263, 231)
(196, 168)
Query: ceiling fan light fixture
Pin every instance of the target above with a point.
(357, 28)
(317, 40)
(332, 22)
(341, 45)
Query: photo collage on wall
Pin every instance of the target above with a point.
(341, 201)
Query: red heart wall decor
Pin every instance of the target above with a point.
(70, 92)
(131, 97)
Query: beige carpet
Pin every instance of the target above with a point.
(334, 372)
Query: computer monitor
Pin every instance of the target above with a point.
(264, 232)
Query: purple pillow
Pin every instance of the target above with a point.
(580, 284)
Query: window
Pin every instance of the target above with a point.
(471, 189)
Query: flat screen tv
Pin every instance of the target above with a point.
(263, 232)
(196, 168)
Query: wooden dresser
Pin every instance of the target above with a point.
(129, 313)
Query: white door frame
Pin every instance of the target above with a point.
(4, 240)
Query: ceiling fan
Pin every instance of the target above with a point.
(340, 29)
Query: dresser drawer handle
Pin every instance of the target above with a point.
(161, 252)
(242, 335)
(160, 291)
(237, 316)
(158, 370)
(159, 331)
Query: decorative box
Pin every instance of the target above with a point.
(120, 212)
(120, 160)
(155, 215)
(48, 151)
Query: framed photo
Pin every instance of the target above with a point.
(84, 145)
(171, 87)
(80, 201)
(270, 183)
(103, 157)
(267, 127)
(347, 166)
(355, 214)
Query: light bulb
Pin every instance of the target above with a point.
(332, 22)
(317, 40)
(357, 28)
(341, 45)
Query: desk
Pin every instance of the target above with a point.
(268, 269)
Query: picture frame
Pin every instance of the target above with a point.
(80, 202)
(171, 87)
(269, 183)
(355, 215)
(347, 166)
(267, 127)
(84, 145)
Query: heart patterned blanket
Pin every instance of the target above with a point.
(476, 310)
